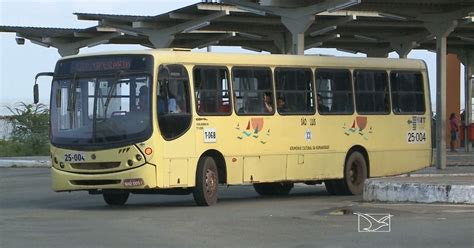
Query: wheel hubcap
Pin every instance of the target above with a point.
(211, 182)
(354, 173)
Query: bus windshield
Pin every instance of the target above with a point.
(101, 110)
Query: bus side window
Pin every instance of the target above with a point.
(294, 89)
(371, 92)
(407, 92)
(334, 91)
(211, 90)
(253, 90)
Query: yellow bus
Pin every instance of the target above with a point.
(180, 122)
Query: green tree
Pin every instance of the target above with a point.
(30, 129)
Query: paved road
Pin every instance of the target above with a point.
(31, 215)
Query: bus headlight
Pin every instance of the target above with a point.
(138, 157)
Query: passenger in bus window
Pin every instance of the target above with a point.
(321, 107)
(281, 104)
(267, 102)
(239, 105)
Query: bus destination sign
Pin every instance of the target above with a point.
(104, 64)
(101, 65)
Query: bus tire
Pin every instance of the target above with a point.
(115, 198)
(279, 188)
(355, 174)
(207, 180)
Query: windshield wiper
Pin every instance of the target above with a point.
(71, 102)
(71, 98)
(112, 89)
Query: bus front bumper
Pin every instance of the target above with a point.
(143, 177)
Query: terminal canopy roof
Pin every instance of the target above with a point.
(374, 27)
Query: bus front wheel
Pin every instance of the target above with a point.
(115, 198)
(205, 192)
(273, 188)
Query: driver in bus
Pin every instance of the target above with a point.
(161, 101)
(143, 98)
(173, 107)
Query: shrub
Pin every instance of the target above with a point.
(30, 131)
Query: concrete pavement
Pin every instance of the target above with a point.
(460, 158)
(32, 215)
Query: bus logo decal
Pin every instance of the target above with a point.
(359, 125)
(254, 128)
(307, 135)
(417, 122)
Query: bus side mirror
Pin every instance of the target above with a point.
(36, 87)
(35, 93)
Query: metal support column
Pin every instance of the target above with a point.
(297, 28)
(466, 57)
(469, 71)
(441, 29)
(403, 48)
(298, 20)
(441, 102)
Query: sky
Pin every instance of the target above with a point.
(20, 64)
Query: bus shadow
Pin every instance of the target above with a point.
(230, 195)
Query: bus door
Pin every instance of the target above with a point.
(174, 120)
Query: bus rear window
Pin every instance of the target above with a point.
(407, 92)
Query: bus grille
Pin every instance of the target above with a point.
(94, 182)
(95, 166)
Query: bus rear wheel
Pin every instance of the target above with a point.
(207, 180)
(355, 174)
(273, 188)
(115, 198)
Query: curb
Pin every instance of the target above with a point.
(385, 191)
(435, 175)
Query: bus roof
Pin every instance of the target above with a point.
(213, 58)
